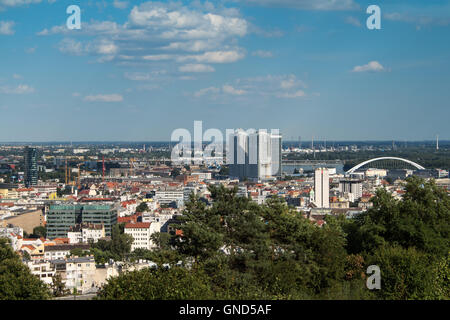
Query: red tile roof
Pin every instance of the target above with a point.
(138, 225)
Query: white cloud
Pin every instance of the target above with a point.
(155, 32)
(144, 76)
(372, 66)
(30, 50)
(120, 4)
(230, 90)
(20, 89)
(104, 98)
(262, 54)
(353, 21)
(17, 76)
(97, 47)
(215, 57)
(277, 86)
(418, 19)
(293, 95)
(324, 5)
(206, 91)
(196, 68)
(137, 76)
(6, 28)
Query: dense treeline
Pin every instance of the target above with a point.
(237, 249)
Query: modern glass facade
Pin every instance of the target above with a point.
(31, 172)
(61, 217)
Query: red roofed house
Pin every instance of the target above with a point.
(141, 233)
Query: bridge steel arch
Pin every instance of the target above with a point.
(418, 166)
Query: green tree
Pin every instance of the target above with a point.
(142, 207)
(405, 273)
(421, 220)
(40, 232)
(175, 172)
(58, 287)
(175, 283)
(16, 280)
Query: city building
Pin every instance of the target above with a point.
(167, 196)
(254, 155)
(61, 217)
(31, 171)
(351, 186)
(322, 188)
(141, 233)
(63, 250)
(86, 233)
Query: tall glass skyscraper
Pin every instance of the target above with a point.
(31, 172)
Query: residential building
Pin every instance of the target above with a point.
(62, 250)
(141, 233)
(322, 188)
(351, 186)
(86, 233)
(254, 155)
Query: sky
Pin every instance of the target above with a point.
(138, 70)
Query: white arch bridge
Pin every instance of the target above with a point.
(418, 166)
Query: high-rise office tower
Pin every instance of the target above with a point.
(255, 154)
(31, 172)
(322, 188)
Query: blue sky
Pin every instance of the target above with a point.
(137, 70)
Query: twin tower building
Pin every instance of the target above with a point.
(254, 155)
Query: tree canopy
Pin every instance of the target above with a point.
(237, 249)
(16, 280)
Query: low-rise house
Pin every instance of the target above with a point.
(61, 251)
(42, 269)
(86, 233)
(141, 233)
(80, 275)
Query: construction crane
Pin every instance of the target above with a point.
(132, 160)
(79, 171)
(66, 171)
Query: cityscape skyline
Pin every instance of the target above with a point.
(137, 71)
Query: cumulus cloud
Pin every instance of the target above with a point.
(20, 89)
(196, 68)
(120, 4)
(155, 32)
(104, 98)
(324, 5)
(103, 47)
(372, 66)
(353, 21)
(277, 86)
(418, 19)
(6, 28)
(4, 4)
(262, 54)
(230, 90)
